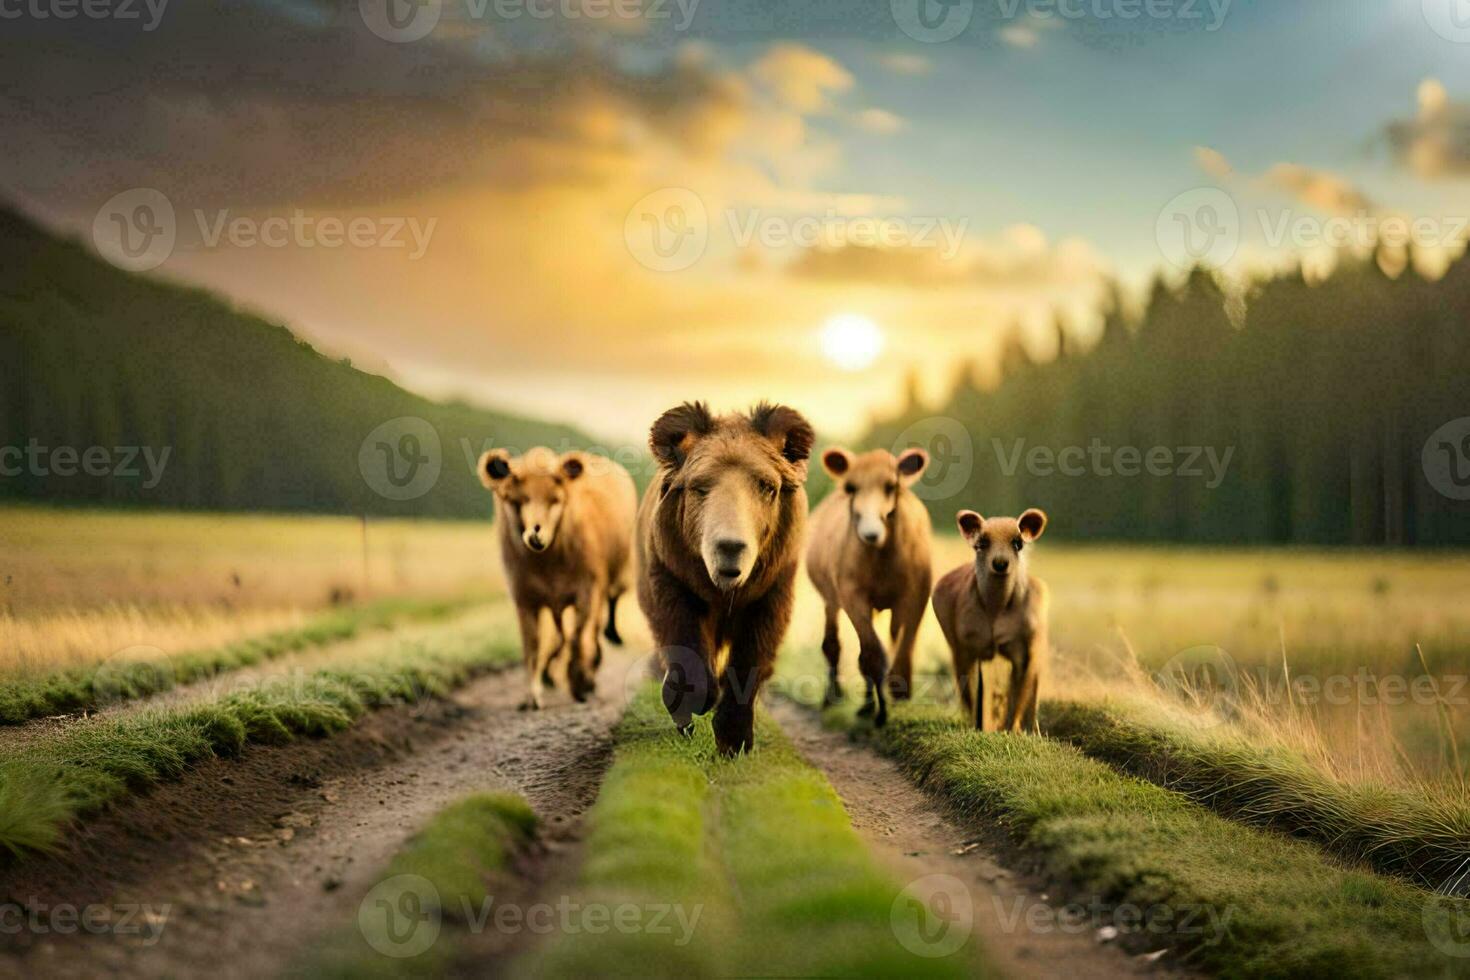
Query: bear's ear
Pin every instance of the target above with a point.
(836, 461)
(789, 430)
(494, 467)
(571, 466)
(970, 525)
(1032, 523)
(674, 434)
(911, 463)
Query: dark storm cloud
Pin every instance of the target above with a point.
(248, 103)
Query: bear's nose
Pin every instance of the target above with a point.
(1001, 565)
(729, 550)
(871, 537)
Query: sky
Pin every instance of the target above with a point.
(589, 210)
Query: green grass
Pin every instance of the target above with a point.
(758, 847)
(84, 688)
(1423, 838)
(443, 877)
(1287, 908)
(47, 784)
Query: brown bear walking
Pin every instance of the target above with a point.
(719, 537)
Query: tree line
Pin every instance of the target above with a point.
(1331, 404)
(120, 389)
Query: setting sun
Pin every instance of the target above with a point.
(851, 341)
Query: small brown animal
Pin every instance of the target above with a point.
(869, 550)
(719, 540)
(991, 606)
(566, 538)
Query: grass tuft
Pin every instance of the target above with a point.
(1423, 838)
(441, 878)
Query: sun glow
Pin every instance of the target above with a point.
(851, 341)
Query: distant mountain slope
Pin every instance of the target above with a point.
(103, 372)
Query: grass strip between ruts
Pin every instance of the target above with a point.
(47, 784)
(756, 855)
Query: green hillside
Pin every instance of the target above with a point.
(251, 417)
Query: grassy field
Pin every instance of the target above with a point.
(78, 586)
(1348, 629)
(1304, 825)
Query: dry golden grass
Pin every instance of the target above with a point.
(77, 586)
(1119, 615)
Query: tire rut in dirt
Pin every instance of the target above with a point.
(257, 857)
(909, 832)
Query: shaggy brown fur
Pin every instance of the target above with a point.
(718, 543)
(566, 538)
(869, 550)
(991, 606)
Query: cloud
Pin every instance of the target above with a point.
(1021, 258)
(238, 105)
(1027, 32)
(801, 78)
(906, 64)
(1213, 162)
(879, 121)
(1436, 143)
(1319, 189)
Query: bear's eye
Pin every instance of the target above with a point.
(890, 487)
(984, 545)
(1017, 545)
(850, 487)
(768, 490)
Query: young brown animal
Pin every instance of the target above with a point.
(718, 543)
(869, 550)
(566, 538)
(991, 606)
